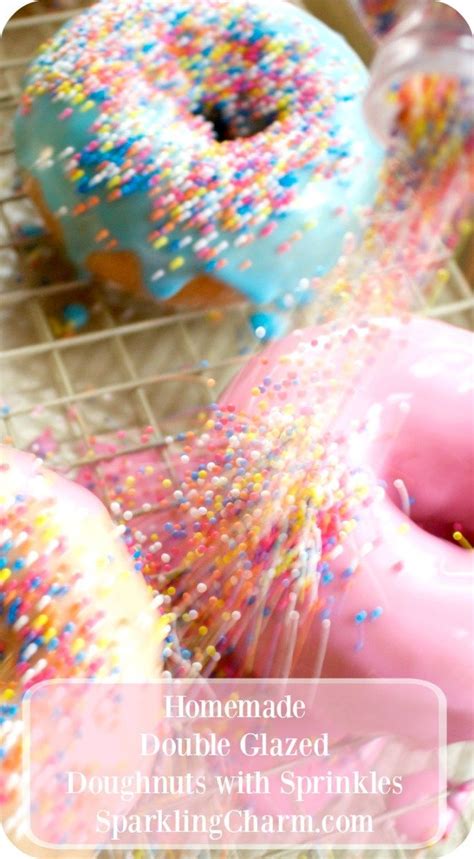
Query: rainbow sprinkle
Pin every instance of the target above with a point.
(52, 625)
(259, 506)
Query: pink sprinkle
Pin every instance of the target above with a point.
(268, 229)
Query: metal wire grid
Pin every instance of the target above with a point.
(133, 365)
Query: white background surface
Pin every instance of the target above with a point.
(8, 8)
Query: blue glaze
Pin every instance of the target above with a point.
(324, 211)
(267, 326)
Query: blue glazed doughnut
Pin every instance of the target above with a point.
(199, 137)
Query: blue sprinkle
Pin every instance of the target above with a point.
(31, 230)
(76, 315)
(13, 610)
(58, 590)
(288, 180)
(376, 612)
(360, 616)
(99, 95)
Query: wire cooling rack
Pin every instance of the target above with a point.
(133, 365)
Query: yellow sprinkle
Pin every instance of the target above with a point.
(202, 630)
(5, 574)
(443, 275)
(49, 634)
(460, 538)
(176, 263)
(40, 519)
(40, 621)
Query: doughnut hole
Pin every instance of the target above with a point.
(226, 84)
(234, 128)
(433, 457)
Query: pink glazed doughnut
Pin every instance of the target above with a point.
(401, 592)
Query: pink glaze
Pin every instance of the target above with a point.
(416, 404)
